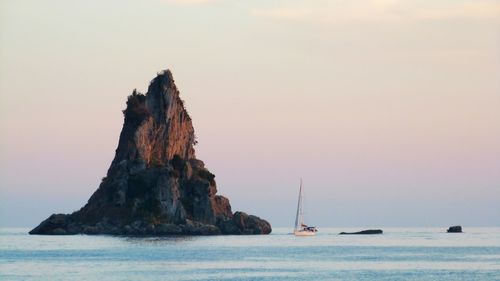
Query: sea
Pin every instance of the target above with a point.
(398, 254)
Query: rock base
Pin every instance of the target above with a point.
(241, 223)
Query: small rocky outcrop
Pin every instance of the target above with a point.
(155, 184)
(454, 229)
(368, 231)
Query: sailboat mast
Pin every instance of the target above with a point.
(299, 208)
(301, 215)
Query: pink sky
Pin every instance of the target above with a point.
(390, 114)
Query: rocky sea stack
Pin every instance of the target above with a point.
(454, 229)
(155, 185)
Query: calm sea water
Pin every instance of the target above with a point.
(398, 254)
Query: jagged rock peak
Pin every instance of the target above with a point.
(161, 92)
(157, 126)
(155, 185)
(164, 78)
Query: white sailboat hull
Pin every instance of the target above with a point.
(304, 233)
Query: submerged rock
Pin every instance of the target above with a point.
(454, 229)
(368, 231)
(155, 185)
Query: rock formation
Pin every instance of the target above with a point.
(155, 185)
(368, 231)
(454, 229)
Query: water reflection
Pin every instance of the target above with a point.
(398, 254)
(158, 240)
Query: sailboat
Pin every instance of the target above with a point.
(302, 229)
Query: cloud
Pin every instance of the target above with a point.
(341, 11)
(467, 10)
(191, 2)
(289, 13)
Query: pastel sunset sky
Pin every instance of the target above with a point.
(388, 109)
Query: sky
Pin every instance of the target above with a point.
(388, 109)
